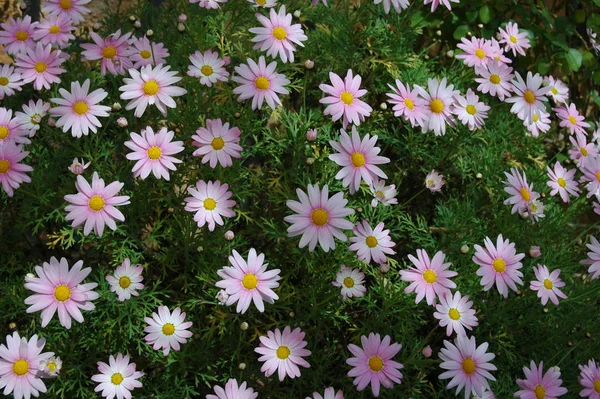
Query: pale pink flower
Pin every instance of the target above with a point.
(541, 124)
(434, 181)
(436, 3)
(210, 202)
(153, 152)
(343, 99)
(32, 115)
(328, 394)
(248, 281)
(59, 288)
(17, 35)
(529, 97)
(589, 379)
(318, 218)
(593, 258)
(373, 365)
(12, 173)
(78, 167)
(535, 385)
(582, 151)
(117, 378)
(218, 143)
(456, 313)
(407, 103)
(440, 100)
(167, 330)
(55, 30)
(114, 51)
(260, 82)
(593, 36)
(51, 367)
(477, 52)
(398, 5)
(470, 111)
(429, 278)
(571, 119)
(283, 352)
(126, 280)
(144, 52)
(371, 243)
(513, 40)
(40, 65)
(386, 195)
(11, 130)
(521, 192)
(278, 35)
(352, 282)
(562, 182)
(95, 206)
(547, 284)
(591, 174)
(74, 9)
(499, 265)
(233, 391)
(498, 52)
(485, 395)
(10, 81)
(427, 351)
(358, 159)
(311, 134)
(263, 3)
(207, 67)
(495, 79)
(535, 210)
(559, 92)
(315, 2)
(208, 4)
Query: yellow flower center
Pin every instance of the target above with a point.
(536, 118)
(261, 2)
(40, 67)
(562, 182)
(371, 241)
(479, 53)
(283, 352)
(572, 120)
(454, 314)
(65, 4)
(96, 203)
(279, 33)
(62, 293)
(430, 182)
(250, 281)
(3, 81)
(109, 52)
(124, 282)
(150, 88)
(347, 98)
(154, 153)
(210, 204)
(116, 378)
(20, 367)
(499, 265)
(4, 132)
(597, 386)
(168, 329)
(207, 71)
(598, 176)
(468, 366)
(375, 363)
(4, 166)
(409, 103)
(217, 143)
(80, 107)
(540, 392)
(436, 106)
(54, 29)
(319, 217)
(495, 79)
(513, 39)
(529, 96)
(471, 110)
(525, 194)
(548, 284)
(379, 194)
(261, 83)
(349, 282)
(358, 159)
(21, 36)
(51, 366)
(429, 276)
(145, 54)
(554, 91)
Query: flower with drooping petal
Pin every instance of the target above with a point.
(167, 330)
(51, 367)
(283, 352)
(55, 30)
(78, 167)
(10, 81)
(407, 103)
(151, 86)
(153, 152)
(541, 124)
(218, 143)
(278, 35)
(74, 9)
(535, 385)
(208, 4)
(11, 130)
(113, 51)
(470, 111)
(373, 365)
(144, 52)
(233, 391)
(434, 181)
(455, 312)
(499, 265)
(95, 206)
(58, 288)
(593, 258)
(32, 115)
(436, 3)
(260, 82)
(429, 278)
(529, 96)
(386, 195)
(562, 182)
(440, 100)
(318, 218)
(328, 394)
(358, 159)
(343, 100)
(12, 173)
(547, 284)
(17, 35)
(495, 78)
(207, 67)
(589, 379)
(117, 378)
(571, 119)
(210, 202)
(248, 281)
(40, 65)
(476, 51)
(467, 364)
(352, 282)
(126, 280)
(582, 151)
(559, 92)
(371, 243)
(521, 193)
(398, 5)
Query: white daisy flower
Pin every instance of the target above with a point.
(167, 330)
(352, 282)
(126, 280)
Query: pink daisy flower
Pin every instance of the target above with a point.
(440, 100)
(74, 9)
(468, 365)
(233, 391)
(498, 52)
(582, 151)
(455, 313)
(570, 119)
(210, 202)
(55, 30)
(407, 103)
(513, 40)
(17, 35)
(593, 36)
(495, 79)
(59, 288)
(315, 2)
(208, 4)
(167, 330)
(40, 65)
(434, 181)
(562, 182)
(11, 130)
(593, 258)
(470, 111)
(10, 81)
(151, 85)
(114, 51)
(429, 278)
(278, 35)
(398, 5)
(358, 159)
(263, 3)
(499, 265)
(78, 110)
(126, 280)
(344, 99)
(537, 386)
(248, 281)
(95, 206)
(386, 195)
(541, 124)
(117, 378)
(207, 67)
(144, 52)
(32, 115)
(12, 173)
(529, 97)
(591, 174)
(521, 193)
(283, 352)
(547, 284)
(351, 281)
(373, 365)
(20, 366)
(559, 92)
(218, 143)
(476, 52)
(153, 152)
(328, 394)
(436, 3)
(371, 243)
(318, 218)
(260, 82)
(589, 379)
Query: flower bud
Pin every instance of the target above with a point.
(132, 18)
(311, 135)
(242, 366)
(383, 106)
(222, 297)
(116, 107)
(51, 122)
(77, 167)
(149, 32)
(226, 60)
(534, 251)
(309, 161)
(229, 235)
(427, 351)
(309, 64)
(384, 267)
(181, 27)
(297, 13)
(182, 18)
(450, 53)
(137, 24)
(122, 122)
(244, 326)
(464, 249)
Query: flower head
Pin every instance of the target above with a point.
(407, 103)
(529, 96)
(440, 100)
(476, 52)
(283, 352)
(470, 111)
(371, 243)
(145, 52)
(114, 51)
(233, 391)
(589, 379)
(11, 130)
(167, 330)
(328, 394)
(126, 280)
(343, 99)
(78, 167)
(559, 92)
(521, 193)
(352, 282)
(263, 3)
(430, 279)
(386, 195)
(40, 65)
(55, 30)
(51, 367)
(260, 82)
(398, 5)
(456, 313)
(210, 202)
(513, 40)
(499, 265)
(571, 119)
(117, 378)
(74, 9)
(32, 115)
(537, 386)
(593, 258)
(207, 67)
(208, 4)
(582, 151)
(10, 81)
(436, 3)
(434, 181)
(562, 182)
(218, 143)
(12, 173)
(540, 124)
(495, 79)
(547, 284)
(17, 35)
(153, 152)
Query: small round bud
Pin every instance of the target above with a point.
(116, 107)
(384, 267)
(51, 122)
(227, 60)
(23, 5)
(137, 24)
(29, 276)
(229, 235)
(200, 248)
(469, 34)
(12, 326)
(244, 326)
(464, 249)
(182, 18)
(427, 57)
(297, 13)
(427, 352)
(450, 53)
(383, 106)
(309, 64)
(534, 251)
(76, 168)
(311, 134)
(292, 315)
(237, 115)
(479, 176)
(149, 32)
(242, 366)
(181, 27)
(438, 32)
(359, 210)
(480, 26)
(122, 122)
(132, 18)
(309, 161)
(222, 297)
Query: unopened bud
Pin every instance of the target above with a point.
(383, 106)
(309, 161)
(182, 18)
(229, 235)
(227, 60)
(242, 366)
(122, 122)
(244, 326)
(51, 122)
(12, 326)
(297, 13)
(464, 249)
(137, 24)
(427, 352)
(149, 32)
(23, 5)
(311, 135)
(534, 251)
(309, 64)
(384, 267)
(116, 107)
(479, 176)
(132, 18)
(450, 53)
(181, 27)
(438, 32)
